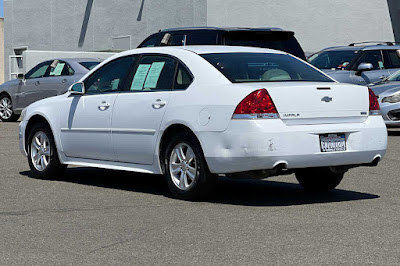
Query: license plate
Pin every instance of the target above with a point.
(332, 142)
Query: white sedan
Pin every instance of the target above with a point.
(195, 112)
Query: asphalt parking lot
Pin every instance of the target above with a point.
(101, 217)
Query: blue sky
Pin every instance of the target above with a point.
(1, 9)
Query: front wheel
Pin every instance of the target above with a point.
(6, 109)
(42, 153)
(186, 170)
(318, 179)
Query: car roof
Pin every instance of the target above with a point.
(78, 60)
(227, 29)
(363, 47)
(208, 49)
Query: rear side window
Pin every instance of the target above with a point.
(59, 68)
(392, 58)
(263, 67)
(183, 78)
(154, 73)
(273, 40)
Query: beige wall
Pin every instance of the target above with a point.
(1, 50)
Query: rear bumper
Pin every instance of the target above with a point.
(263, 144)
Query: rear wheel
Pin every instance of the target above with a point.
(186, 170)
(318, 179)
(6, 109)
(42, 153)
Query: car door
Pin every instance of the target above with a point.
(139, 111)
(30, 88)
(374, 57)
(86, 120)
(58, 78)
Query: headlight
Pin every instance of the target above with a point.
(392, 99)
(23, 113)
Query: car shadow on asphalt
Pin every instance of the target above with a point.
(393, 132)
(245, 192)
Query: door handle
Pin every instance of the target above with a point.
(64, 80)
(158, 104)
(37, 83)
(104, 106)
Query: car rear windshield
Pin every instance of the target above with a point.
(263, 67)
(89, 65)
(332, 59)
(283, 41)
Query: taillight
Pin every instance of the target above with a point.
(257, 104)
(374, 108)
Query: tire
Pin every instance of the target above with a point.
(42, 153)
(318, 179)
(197, 181)
(6, 110)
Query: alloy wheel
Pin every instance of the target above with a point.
(183, 166)
(5, 108)
(40, 151)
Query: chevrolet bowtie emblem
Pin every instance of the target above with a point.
(326, 99)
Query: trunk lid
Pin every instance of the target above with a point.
(302, 103)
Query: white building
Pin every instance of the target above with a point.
(104, 25)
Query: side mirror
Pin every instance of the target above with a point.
(20, 76)
(364, 67)
(77, 88)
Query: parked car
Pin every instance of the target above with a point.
(49, 78)
(358, 63)
(192, 113)
(273, 38)
(391, 82)
(388, 91)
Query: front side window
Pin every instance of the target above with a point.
(152, 42)
(176, 40)
(332, 59)
(263, 67)
(110, 77)
(373, 57)
(38, 71)
(153, 73)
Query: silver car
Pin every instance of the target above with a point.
(388, 92)
(49, 78)
(358, 63)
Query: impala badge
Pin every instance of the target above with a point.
(326, 99)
